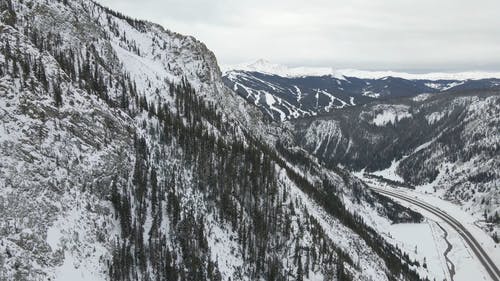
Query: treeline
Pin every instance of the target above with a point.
(239, 184)
(395, 260)
(394, 183)
(163, 234)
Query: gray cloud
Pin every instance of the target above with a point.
(407, 35)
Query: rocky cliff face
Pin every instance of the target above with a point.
(124, 157)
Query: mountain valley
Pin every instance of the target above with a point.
(126, 154)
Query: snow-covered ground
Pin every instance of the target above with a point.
(419, 240)
(431, 238)
(389, 173)
(390, 114)
(423, 242)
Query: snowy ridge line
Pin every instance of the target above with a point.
(267, 67)
(485, 260)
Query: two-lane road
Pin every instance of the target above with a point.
(483, 257)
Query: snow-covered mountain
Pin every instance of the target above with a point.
(267, 67)
(445, 144)
(286, 93)
(438, 135)
(125, 157)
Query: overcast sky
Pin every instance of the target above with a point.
(410, 35)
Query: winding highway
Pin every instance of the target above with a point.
(473, 244)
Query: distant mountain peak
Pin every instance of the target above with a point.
(268, 67)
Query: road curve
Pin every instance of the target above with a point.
(485, 260)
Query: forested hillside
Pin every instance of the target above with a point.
(446, 143)
(124, 157)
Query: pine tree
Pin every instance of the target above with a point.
(300, 273)
(58, 95)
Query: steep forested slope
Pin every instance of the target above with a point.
(124, 157)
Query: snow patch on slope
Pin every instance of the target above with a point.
(390, 173)
(371, 94)
(390, 114)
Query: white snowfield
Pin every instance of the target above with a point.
(447, 254)
(390, 114)
(267, 67)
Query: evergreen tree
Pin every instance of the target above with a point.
(58, 95)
